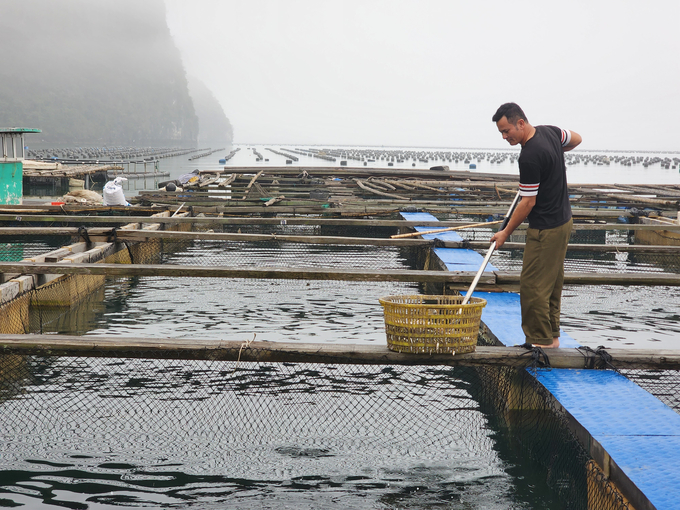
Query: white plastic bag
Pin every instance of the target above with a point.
(113, 192)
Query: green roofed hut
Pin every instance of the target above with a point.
(11, 166)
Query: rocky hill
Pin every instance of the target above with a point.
(215, 130)
(86, 72)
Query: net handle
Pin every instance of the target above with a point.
(490, 252)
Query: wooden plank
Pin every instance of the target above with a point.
(582, 278)
(239, 220)
(400, 275)
(332, 240)
(283, 273)
(601, 248)
(99, 234)
(230, 220)
(437, 231)
(233, 350)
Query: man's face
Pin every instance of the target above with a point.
(513, 133)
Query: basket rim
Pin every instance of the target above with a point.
(474, 301)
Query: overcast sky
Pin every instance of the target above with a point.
(432, 73)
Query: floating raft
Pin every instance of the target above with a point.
(628, 432)
(36, 171)
(394, 200)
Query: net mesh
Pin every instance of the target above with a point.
(292, 254)
(311, 435)
(250, 429)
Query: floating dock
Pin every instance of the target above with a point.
(632, 459)
(629, 433)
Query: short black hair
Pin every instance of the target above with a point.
(510, 111)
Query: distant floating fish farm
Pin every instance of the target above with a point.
(252, 398)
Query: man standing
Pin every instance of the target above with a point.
(545, 202)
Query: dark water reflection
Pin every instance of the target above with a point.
(99, 433)
(235, 309)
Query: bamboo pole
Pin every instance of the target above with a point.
(601, 248)
(269, 273)
(473, 225)
(252, 181)
(587, 278)
(325, 240)
(98, 234)
(381, 193)
(495, 278)
(241, 220)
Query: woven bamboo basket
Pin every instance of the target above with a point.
(432, 324)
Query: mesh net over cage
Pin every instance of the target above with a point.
(313, 435)
(137, 430)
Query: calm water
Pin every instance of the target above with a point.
(340, 312)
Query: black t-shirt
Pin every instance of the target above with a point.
(543, 173)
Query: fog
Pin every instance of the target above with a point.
(93, 73)
(432, 73)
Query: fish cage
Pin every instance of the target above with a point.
(158, 415)
(309, 434)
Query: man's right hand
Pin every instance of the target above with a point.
(500, 237)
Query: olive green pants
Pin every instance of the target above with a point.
(540, 287)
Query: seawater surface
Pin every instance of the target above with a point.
(614, 316)
(579, 171)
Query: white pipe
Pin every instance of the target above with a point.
(488, 254)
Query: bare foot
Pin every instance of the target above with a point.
(554, 345)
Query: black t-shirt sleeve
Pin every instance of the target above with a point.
(529, 178)
(542, 173)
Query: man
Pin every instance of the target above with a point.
(545, 202)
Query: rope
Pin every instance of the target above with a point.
(598, 358)
(244, 345)
(539, 359)
(127, 245)
(82, 232)
(113, 238)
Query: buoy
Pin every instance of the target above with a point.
(170, 187)
(472, 166)
(222, 161)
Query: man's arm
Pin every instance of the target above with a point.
(521, 212)
(574, 142)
